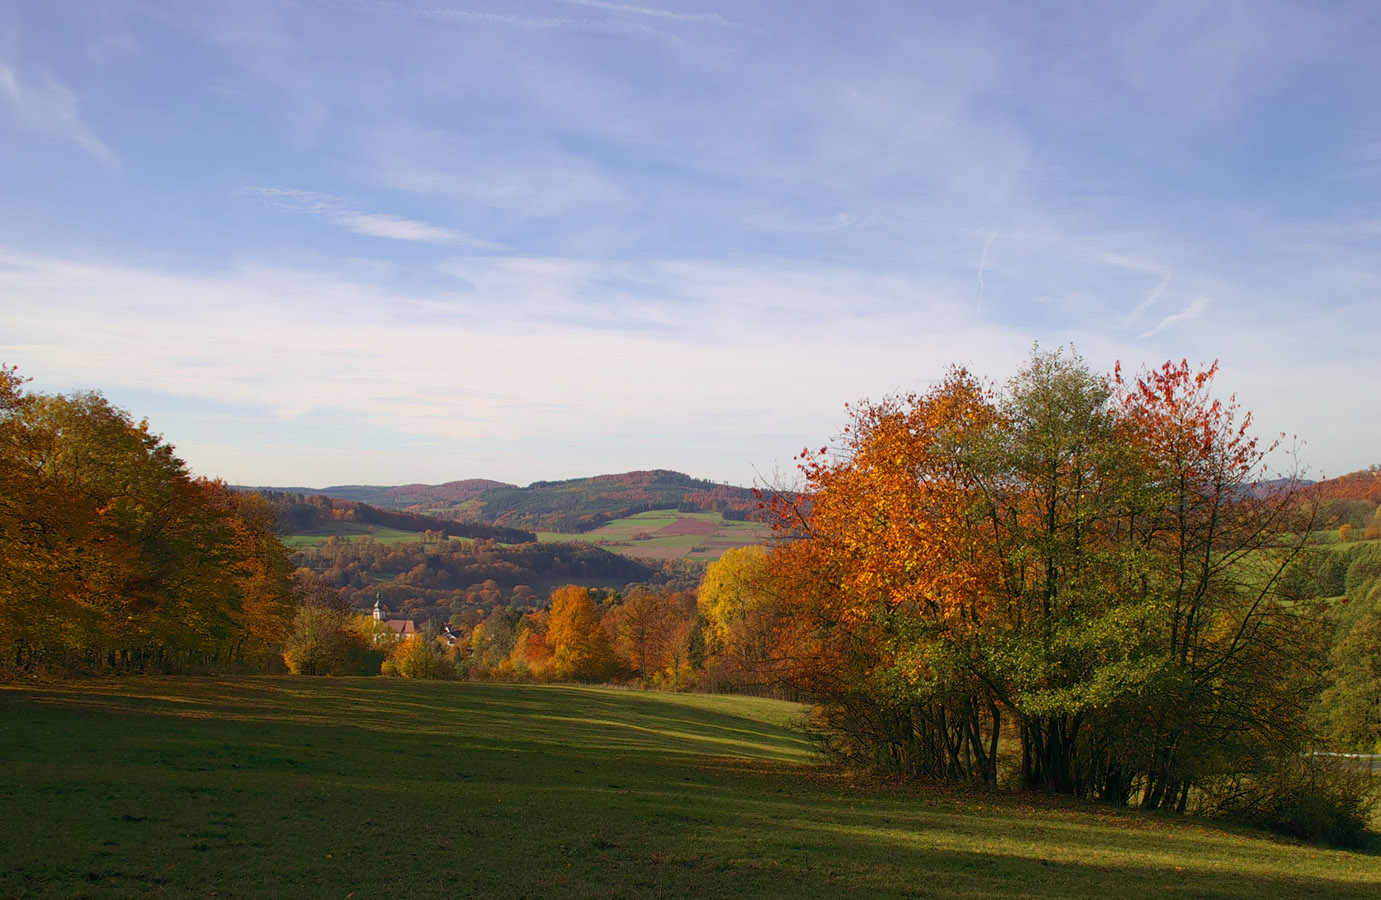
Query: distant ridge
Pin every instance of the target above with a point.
(301, 511)
(405, 495)
(1361, 485)
(569, 506)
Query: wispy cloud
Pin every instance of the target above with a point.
(1193, 311)
(545, 23)
(982, 268)
(708, 18)
(527, 178)
(566, 333)
(339, 212)
(50, 107)
(1150, 300)
(695, 332)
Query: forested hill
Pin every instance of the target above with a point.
(571, 506)
(405, 496)
(582, 504)
(1353, 503)
(300, 512)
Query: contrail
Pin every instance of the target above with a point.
(983, 264)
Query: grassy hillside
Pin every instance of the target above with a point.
(667, 534)
(261, 788)
(321, 532)
(661, 534)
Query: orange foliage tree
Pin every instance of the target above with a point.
(651, 629)
(580, 648)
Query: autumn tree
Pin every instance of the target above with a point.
(740, 603)
(327, 637)
(651, 628)
(111, 554)
(419, 656)
(1227, 659)
(1350, 707)
(492, 640)
(580, 648)
(886, 579)
(531, 656)
(1352, 702)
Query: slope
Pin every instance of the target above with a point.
(259, 788)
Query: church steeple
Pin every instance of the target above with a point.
(378, 612)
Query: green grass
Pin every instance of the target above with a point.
(279, 787)
(351, 530)
(621, 535)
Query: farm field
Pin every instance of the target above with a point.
(668, 534)
(273, 787)
(350, 531)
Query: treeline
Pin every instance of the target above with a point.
(113, 557)
(1352, 505)
(706, 635)
(1349, 708)
(573, 506)
(305, 512)
(671, 637)
(405, 496)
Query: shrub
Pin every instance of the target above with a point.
(1322, 798)
(418, 657)
(324, 641)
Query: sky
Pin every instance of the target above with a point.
(320, 242)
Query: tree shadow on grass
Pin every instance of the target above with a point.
(257, 787)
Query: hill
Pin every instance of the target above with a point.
(572, 506)
(435, 580)
(583, 504)
(1352, 500)
(1363, 485)
(275, 787)
(305, 513)
(406, 495)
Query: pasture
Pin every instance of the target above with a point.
(282, 787)
(668, 534)
(349, 531)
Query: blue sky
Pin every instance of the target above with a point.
(346, 241)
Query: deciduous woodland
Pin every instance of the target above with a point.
(1081, 584)
(113, 557)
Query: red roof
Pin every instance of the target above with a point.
(402, 627)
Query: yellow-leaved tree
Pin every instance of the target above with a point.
(739, 600)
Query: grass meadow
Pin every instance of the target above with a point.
(660, 534)
(668, 534)
(363, 788)
(349, 531)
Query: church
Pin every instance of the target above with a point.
(405, 629)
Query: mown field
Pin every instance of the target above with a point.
(661, 534)
(349, 531)
(668, 534)
(278, 787)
